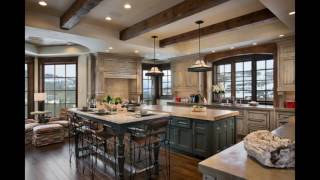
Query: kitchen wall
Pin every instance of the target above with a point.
(184, 83)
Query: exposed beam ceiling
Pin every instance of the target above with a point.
(179, 11)
(250, 18)
(74, 13)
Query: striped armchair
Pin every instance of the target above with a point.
(28, 130)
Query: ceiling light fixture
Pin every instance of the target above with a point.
(254, 43)
(199, 65)
(154, 71)
(231, 47)
(213, 51)
(42, 3)
(292, 13)
(127, 6)
(281, 35)
(108, 18)
(136, 51)
(110, 47)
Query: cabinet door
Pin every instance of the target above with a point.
(172, 134)
(240, 130)
(286, 69)
(200, 138)
(184, 139)
(230, 132)
(220, 138)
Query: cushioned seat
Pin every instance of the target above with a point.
(47, 134)
(63, 123)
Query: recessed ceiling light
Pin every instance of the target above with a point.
(254, 43)
(231, 47)
(213, 51)
(136, 51)
(110, 47)
(292, 13)
(281, 35)
(42, 3)
(108, 18)
(127, 6)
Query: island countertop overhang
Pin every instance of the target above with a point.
(186, 112)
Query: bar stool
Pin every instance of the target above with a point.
(98, 136)
(149, 138)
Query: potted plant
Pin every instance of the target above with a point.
(218, 91)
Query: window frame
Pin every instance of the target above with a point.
(243, 58)
(149, 81)
(161, 85)
(29, 61)
(57, 61)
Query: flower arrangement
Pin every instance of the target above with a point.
(218, 89)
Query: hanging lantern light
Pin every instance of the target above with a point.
(154, 71)
(199, 65)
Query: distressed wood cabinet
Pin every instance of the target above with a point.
(258, 120)
(283, 116)
(200, 137)
(286, 65)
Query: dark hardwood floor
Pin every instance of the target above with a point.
(52, 163)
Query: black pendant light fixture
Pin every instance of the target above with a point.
(154, 71)
(199, 65)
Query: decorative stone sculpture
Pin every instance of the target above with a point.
(270, 150)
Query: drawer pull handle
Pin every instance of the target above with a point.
(183, 123)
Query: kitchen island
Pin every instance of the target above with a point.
(234, 163)
(119, 123)
(199, 134)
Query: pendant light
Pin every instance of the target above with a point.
(199, 65)
(154, 71)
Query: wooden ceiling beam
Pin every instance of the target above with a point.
(177, 12)
(74, 13)
(247, 19)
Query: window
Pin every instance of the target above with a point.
(264, 75)
(244, 80)
(223, 74)
(26, 88)
(166, 83)
(247, 77)
(146, 86)
(60, 84)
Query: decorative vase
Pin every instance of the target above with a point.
(218, 97)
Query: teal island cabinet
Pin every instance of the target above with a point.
(199, 134)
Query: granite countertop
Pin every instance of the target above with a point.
(233, 162)
(238, 106)
(180, 111)
(120, 117)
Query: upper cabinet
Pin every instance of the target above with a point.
(286, 65)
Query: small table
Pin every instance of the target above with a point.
(41, 115)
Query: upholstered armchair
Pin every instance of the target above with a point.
(28, 129)
(62, 120)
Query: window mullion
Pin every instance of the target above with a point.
(254, 80)
(233, 79)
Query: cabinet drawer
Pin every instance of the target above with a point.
(254, 127)
(181, 122)
(258, 116)
(282, 115)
